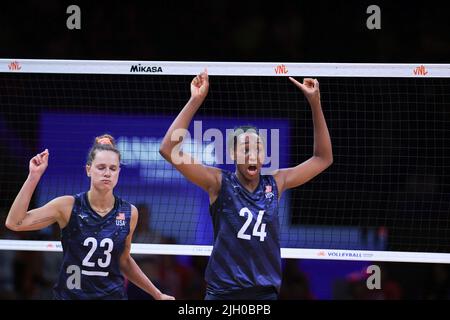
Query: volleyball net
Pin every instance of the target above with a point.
(385, 198)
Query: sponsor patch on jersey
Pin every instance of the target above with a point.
(268, 192)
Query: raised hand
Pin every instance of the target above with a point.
(39, 163)
(200, 86)
(310, 88)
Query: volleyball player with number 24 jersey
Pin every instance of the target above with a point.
(245, 262)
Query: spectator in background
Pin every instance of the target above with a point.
(52, 262)
(7, 258)
(295, 285)
(194, 287)
(144, 232)
(149, 264)
(438, 282)
(354, 286)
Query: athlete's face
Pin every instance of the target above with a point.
(249, 155)
(104, 170)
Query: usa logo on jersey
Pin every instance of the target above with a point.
(268, 192)
(120, 219)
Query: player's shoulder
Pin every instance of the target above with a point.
(225, 174)
(124, 206)
(217, 172)
(134, 210)
(134, 214)
(270, 175)
(270, 179)
(63, 205)
(122, 202)
(63, 201)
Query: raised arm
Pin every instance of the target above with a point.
(208, 178)
(322, 154)
(131, 270)
(20, 219)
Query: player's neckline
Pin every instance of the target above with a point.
(95, 212)
(244, 188)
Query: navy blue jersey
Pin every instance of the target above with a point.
(246, 251)
(92, 246)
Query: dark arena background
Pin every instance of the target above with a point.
(386, 98)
